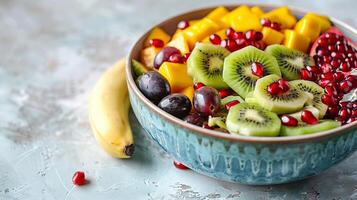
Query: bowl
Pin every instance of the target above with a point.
(234, 158)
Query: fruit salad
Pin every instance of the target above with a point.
(252, 72)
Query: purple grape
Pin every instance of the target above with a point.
(164, 55)
(206, 101)
(195, 118)
(177, 105)
(154, 86)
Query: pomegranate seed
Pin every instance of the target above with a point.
(198, 85)
(328, 100)
(345, 67)
(332, 111)
(354, 104)
(238, 35)
(326, 59)
(224, 93)
(258, 36)
(276, 26)
(231, 104)
(322, 52)
(230, 33)
(179, 165)
(175, 58)
(313, 69)
(265, 22)
(284, 86)
(205, 125)
(306, 75)
(232, 45)
(215, 39)
(257, 69)
(157, 43)
(328, 76)
(182, 25)
(343, 104)
(354, 113)
(338, 76)
(344, 113)
(345, 86)
(325, 68)
(274, 88)
(331, 48)
(341, 48)
(224, 43)
(308, 117)
(336, 55)
(79, 178)
(289, 120)
(350, 120)
(322, 42)
(185, 57)
(250, 35)
(323, 83)
(330, 91)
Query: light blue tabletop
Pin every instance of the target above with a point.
(51, 54)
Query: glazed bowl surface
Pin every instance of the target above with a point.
(234, 158)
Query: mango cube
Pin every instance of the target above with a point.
(295, 40)
(229, 17)
(220, 33)
(271, 36)
(281, 15)
(217, 14)
(189, 91)
(199, 31)
(180, 43)
(257, 10)
(322, 20)
(246, 22)
(157, 33)
(309, 27)
(177, 76)
(147, 56)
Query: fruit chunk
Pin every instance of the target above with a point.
(237, 71)
(271, 36)
(180, 43)
(231, 16)
(154, 86)
(231, 98)
(286, 102)
(257, 11)
(177, 76)
(303, 128)
(206, 101)
(217, 121)
(294, 40)
(189, 91)
(282, 15)
(308, 27)
(289, 61)
(205, 64)
(217, 14)
(157, 33)
(246, 22)
(195, 118)
(138, 68)
(164, 55)
(221, 33)
(252, 120)
(316, 92)
(313, 110)
(177, 105)
(322, 20)
(147, 56)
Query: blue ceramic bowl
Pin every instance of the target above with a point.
(234, 158)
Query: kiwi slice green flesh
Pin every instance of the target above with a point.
(303, 128)
(237, 69)
(217, 121)
(205, 64)
(250, 98)
(138, 68)
(230, 98)
(291, 101)
(252, 120)
(290, 61)
(315, 91)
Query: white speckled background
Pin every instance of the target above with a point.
(51, 53)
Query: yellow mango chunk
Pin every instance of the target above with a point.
(220, 33)
(192, 22)
(217, 14)
(322, 20)
(189, 91)
(179, 42)
(295, 40)
(271, 36)
(199, 31)
(177, 76)
(281, 15)
(309, 27)
(157, 33)
(147, 56)
(246, 22)
(228, 18)
(257, 10)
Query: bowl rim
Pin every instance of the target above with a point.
(219, 135)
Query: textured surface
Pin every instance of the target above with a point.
(51, 53)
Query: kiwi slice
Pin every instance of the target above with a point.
(312, 109)
(252, 120)
(138, 68)
(288, 102)
(290, 61)
(250, 98)
(237, 71)
(205, 64)
(230, 98)
(303, 128)
(314, 92)
(217, 121)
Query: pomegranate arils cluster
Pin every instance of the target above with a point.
(278, 87)
(267, 23)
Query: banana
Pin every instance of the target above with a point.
(108, 112)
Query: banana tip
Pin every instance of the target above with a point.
(129, 149)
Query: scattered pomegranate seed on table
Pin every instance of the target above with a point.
(231, 104)
(289, 120)
(179, 165)
(308, 117)
(79, 178)
(157, 43)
